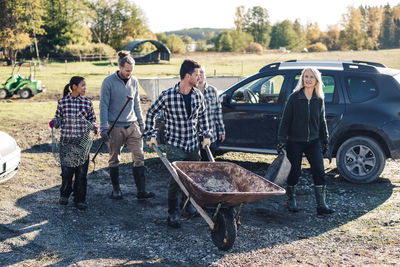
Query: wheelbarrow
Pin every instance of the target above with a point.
(221, 187)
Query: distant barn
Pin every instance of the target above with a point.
(162, 52)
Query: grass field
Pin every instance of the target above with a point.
(56, 75)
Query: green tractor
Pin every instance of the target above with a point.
(16, 84)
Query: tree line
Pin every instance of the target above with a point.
(39, 28)
(365, 27)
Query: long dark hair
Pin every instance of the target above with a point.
(68, 87)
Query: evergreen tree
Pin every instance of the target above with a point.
(283, 35)
(117, 22)
(225, 42)
(256, 22)
(387, 33)
(65, 22)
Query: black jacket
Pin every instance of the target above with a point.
(303, 120)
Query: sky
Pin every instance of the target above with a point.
(171, 15)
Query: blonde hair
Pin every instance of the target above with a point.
(318, 87)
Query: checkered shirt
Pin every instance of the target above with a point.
(214, 112)
(182, 130)
(75, 115)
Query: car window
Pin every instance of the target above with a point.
(329, 86)
(261, 90)
(360, 89)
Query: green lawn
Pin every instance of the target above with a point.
(56, 75)
(16, 113)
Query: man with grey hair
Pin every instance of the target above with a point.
(129, 127)
(214, 114)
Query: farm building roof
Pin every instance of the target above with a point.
(162, 52)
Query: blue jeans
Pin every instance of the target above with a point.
(312, 151)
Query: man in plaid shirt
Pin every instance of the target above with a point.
(185, 117)
(214, 113)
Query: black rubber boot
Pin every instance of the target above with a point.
(320, 197)
(116, 192)
(291, 202)
(140, 180)
(173, 213)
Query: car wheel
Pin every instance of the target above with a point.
(25, 93)
(3, 93)
(360, 160)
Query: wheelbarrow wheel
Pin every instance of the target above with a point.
(225, 230)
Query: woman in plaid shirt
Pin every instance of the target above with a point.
(76, 116)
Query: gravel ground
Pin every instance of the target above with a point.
(36, 231)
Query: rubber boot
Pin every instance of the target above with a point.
(140, 180)
(116, 192)
(320, 197)
(173, 213)
(291, 202)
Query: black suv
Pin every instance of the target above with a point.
(362, 110)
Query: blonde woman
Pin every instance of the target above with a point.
(303, 129)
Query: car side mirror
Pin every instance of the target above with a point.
(224, 99)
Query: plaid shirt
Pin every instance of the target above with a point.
(181, 128)
(73, 113)
(214, 112)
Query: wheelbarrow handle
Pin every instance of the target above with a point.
(175, 175)
(209, 154)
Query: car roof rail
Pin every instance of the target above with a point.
(360, 67)
(272, 66)
(363, 62)
(319, 64)
(376, 64)
(351, 65)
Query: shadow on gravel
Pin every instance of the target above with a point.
(129, 232)
(273, 224)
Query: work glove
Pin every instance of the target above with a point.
(54, 123)
(205, 142)
(95, 128)
(104, 134)
(280, 147)
(150, 141)
(325, 148)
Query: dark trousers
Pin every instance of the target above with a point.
(177, 154)
(80, 183)
(312, 151)
(203, 153)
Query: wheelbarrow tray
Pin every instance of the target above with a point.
(235, 185)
